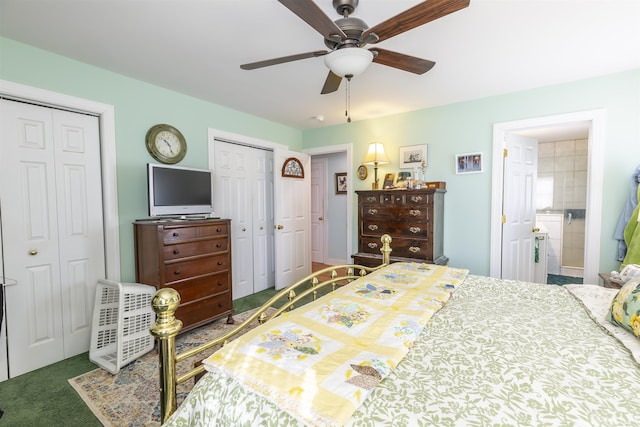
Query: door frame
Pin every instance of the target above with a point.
(107, 132)
(596, 120)
(347, 149)
(106, 117)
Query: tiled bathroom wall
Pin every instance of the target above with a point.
(562, 189)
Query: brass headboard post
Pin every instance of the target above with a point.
(165, 302)
(386, 248)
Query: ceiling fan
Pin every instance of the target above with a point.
(347, 36)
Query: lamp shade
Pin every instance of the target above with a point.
(376, 155)
(348, 61)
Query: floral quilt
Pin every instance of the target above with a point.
(498, 352)
(327, 356)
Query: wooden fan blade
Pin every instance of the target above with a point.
(331, 84)
(420, 14)
(402, 61)
(310, 13)
(274, 61)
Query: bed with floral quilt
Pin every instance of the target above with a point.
(424, 345)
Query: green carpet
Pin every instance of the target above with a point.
(45, 398)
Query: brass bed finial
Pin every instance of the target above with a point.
(165, 302)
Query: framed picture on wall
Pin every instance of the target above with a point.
(341, 183)
(469, 163)
(413, 156)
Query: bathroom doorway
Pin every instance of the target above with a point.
(594, 120)
(561, 198)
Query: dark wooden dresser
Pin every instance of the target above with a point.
(194, 258)
(413, 218)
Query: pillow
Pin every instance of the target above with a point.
(625, 307)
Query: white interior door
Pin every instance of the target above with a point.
(318, 214)
(263, 270)
(292, 209)
(243, 193)
(520, 175)
(50, 193)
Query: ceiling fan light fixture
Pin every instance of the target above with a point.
(348, 61)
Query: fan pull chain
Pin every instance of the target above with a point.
(348, 98)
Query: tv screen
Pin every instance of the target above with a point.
(179, 191)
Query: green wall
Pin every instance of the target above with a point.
(468, 127)
(448, 130)
(138, 106)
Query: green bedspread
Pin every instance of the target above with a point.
(499, 353)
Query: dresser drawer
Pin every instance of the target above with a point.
(202, 286)
(202, 311)
(386, 213)
(377, 228)
(175, 271)
(396, 198)
(413, 248)
(200, 247)
(176, 234)
(400, 247)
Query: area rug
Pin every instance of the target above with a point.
(132, 396)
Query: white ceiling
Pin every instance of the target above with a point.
(196, 47)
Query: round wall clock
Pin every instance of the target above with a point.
(363, 172)
(166, 144)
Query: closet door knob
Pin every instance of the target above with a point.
(279, 227)
(33, 252)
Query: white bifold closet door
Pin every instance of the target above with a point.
(243, 192)
(52, 231)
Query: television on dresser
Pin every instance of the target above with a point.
(178, 191)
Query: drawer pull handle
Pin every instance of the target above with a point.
(218, 245)
(414, 249)
(414, 212)
(414, 230)
(176, 252)
(218, 230)
(416, 198)
(176, 234)
(220, 284)
(371, 199)
(373, 227)
(220, 305)
(219, 262)
(177, 272)
(373, 245)
(373, 211)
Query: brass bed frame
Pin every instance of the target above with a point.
(165, 302)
